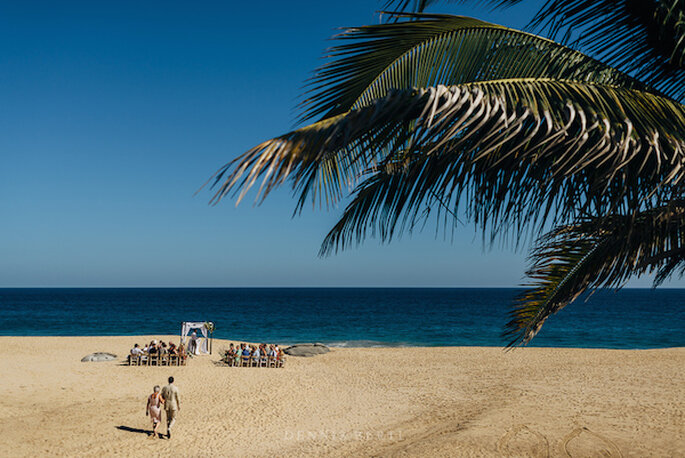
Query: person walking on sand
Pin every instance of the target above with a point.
(154, 409)
(171, 405)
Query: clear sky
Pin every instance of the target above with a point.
(112, 114)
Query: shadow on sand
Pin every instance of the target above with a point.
(135, 430)
(147, 432)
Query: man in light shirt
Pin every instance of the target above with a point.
(171, 405)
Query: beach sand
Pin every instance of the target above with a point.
(462, 401)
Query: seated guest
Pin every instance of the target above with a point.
(182, 350)
(152, 349)
(136, 350)
(163, 349)
(230, 355)
(172, 349)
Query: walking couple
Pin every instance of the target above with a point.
(167, 398)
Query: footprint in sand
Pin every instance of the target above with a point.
(583, 442)
(523, 441)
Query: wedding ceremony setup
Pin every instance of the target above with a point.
(160, 353)
(197, 345)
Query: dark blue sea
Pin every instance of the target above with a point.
(630, 318)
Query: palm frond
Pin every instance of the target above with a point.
(419, 6)
(674, 266)
(299, 155)
(518, 148)
(645, 38)
(431, 50)
(440, 49)
(596, 252)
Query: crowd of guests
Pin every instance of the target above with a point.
(155, 349)
(254, 355)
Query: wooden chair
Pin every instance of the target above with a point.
(173, 360)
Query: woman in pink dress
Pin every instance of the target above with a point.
(154, 409)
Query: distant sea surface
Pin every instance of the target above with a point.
(352, 317)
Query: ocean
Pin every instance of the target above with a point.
(345, 317)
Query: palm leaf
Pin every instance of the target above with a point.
(516, 146)
(597, 252)
(440, 49)
(418, 6)
(433, 49)
(645, 38)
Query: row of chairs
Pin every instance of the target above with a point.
(249, 361)
(157, 360)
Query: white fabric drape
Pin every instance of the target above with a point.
(201, 347)
(204, 347)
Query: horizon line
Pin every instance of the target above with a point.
(306, 287)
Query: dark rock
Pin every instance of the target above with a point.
(97, 357)
(306, 350)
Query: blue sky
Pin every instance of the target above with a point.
(113, 114)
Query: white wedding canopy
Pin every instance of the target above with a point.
(196, 345)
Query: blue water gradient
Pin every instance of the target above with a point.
(630, 318)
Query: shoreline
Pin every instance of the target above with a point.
(414, 401)
(336, 344)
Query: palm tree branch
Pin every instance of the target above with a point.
(440, 49)
(643, 38)
(592, 253)
(512, 144)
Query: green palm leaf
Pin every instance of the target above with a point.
(518, 147)
(597, 252)
(645, 38)
(440, 49)
(428, 51)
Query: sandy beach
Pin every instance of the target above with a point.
(461, 401)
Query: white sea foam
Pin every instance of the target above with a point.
(366, 344)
